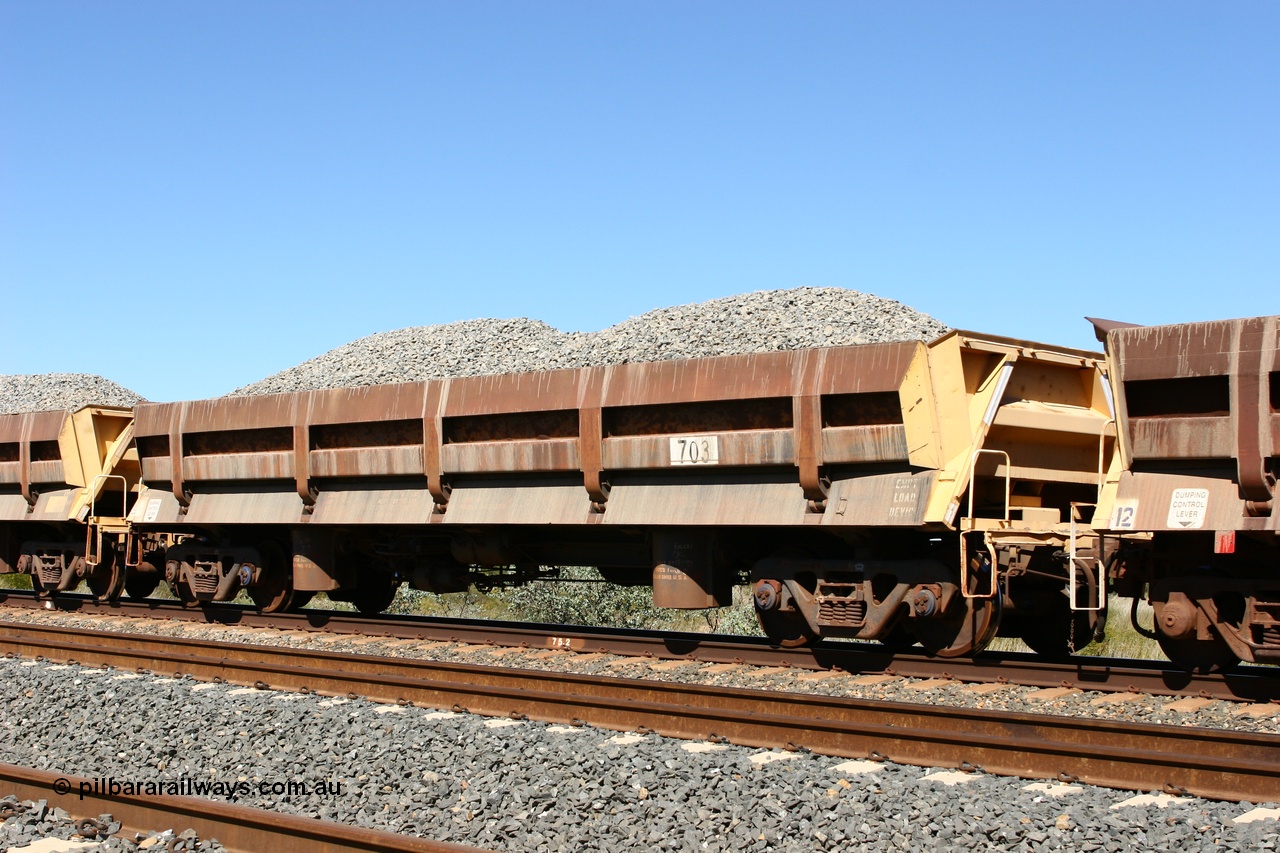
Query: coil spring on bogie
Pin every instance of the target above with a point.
(204, 581)
(842, 611)
(50, 573)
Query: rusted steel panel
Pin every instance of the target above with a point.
(1182, 438)
(156, 468)
(557, 454)
(756, 447)
(1161, 352)
(511, 426)
(47, 472)
(1207, 502)
(1204, 390)
(897, 499)
(518, 502)
(10, 472)
(864, 444)
(865, 369)
(703, 416)
(32, 426)
(361, 405)
(45, 426)
(54, 505)
(514, 392)
(687, 500)
(224, 413)
(247, 507)
(153, 419)
(367, 462)
(156, 506)
(275, 465)
(11, 428)
(13, 507)
(373, 506)
(731, 377)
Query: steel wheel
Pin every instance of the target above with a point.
(1059, 632)
(183, 593)
(107, 580)
(142, 580)
(786, 628)
(375, 594)
(39, 588)
(966, 629)
(273, 593)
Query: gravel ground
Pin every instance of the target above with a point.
(26, 822)
(44, 392)
(516, 785)
(752, 322)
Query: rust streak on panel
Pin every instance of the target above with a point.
(808, 420)
(512, 392)
(432, 436)
(1249, 402)
(24, 461)
(368, 462)
(366, 405)
(177, 417)
(558, 454)
(302, 461)
(1181, 438)
(591, 453)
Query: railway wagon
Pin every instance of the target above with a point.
(870, 491)
(1194, 495)
(66, 481)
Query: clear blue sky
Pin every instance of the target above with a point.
(194, 195)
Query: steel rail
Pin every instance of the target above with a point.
(237, 828)
(1210, 763)
(1253, 683)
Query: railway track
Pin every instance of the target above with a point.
(1251, 683)
(1203, 762)
(237, 828)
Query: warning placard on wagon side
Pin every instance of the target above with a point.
(1187, 509)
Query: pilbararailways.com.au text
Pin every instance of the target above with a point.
(184, 786)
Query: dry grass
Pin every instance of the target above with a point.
(1121, 640)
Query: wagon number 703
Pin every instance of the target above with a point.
(695, 450)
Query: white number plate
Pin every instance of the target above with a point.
(1187, 508)
(695, 450)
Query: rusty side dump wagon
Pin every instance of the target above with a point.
(66, 479)
(868, 491)
(1193, 495)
